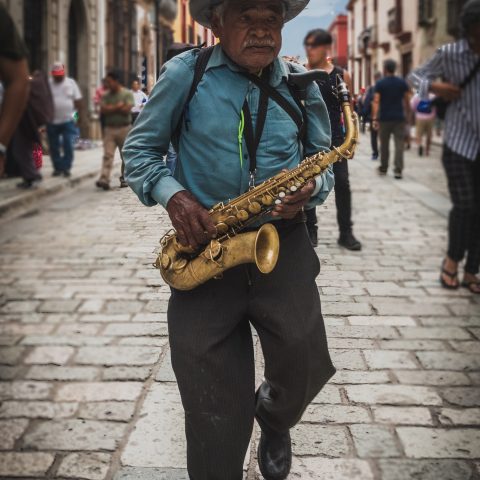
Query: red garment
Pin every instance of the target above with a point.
(37, 155)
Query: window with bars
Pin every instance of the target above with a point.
(425, 12)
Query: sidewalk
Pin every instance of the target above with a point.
(14, 200)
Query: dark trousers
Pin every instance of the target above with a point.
(463, 176)
(62, 135)
(374, 140)
(20, 153)
(213, 354)
(343, 200)
(397, 129)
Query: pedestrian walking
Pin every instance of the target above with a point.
(317, 45)
(62, 131)
(458, 66)
(139, 98)
(209, 326)
(117, 106)
(390, 109)
(425, 114)
(367, 114)
(97, 103)
(14, 80)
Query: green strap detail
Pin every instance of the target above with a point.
(241, 127)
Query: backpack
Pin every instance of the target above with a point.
(425, 106)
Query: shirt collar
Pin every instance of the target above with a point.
(219, 59)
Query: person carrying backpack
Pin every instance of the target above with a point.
(425, 114)
(238, 126)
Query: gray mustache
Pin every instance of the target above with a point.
(267, 42)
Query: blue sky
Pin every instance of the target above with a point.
(318, 14)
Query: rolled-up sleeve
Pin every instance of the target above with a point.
(423, 76)
(318, 140)
(147, 143)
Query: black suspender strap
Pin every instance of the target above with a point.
(253, 139)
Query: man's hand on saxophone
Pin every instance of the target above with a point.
(294, 202)
(192, 222)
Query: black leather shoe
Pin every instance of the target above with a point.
(348, 241)
(274, 455)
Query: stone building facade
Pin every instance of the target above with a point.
(408, 31)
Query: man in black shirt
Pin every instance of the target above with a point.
(14, 77)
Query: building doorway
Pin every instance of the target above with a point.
(78, 66)
(34, 19)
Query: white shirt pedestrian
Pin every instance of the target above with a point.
(140, 99)
(64, 95)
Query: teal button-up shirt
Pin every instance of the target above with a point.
(209, 163)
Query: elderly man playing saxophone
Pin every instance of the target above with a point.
(210, 326)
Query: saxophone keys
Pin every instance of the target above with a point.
(316, 169)
(254, 208)
(282, 194)
(267, 200)
(242, 215)
(278, 202)
(293, 188)
(221, 228)
(230, 220)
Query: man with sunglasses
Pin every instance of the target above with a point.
(317, 45)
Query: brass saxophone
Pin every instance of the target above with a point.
(184, 269)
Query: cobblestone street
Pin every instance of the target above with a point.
(87, 389)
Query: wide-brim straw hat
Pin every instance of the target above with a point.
(201, 10)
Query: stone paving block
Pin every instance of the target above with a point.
(36, 409)
(375, 321)
(105, 318)
(310, 439)
(414, 345)
(9, 340)
(126, 373)
(344, 377)
(374, 441)
(8, 372)
(315, 468)
(75, 340)
(402, 415)
(361, 332)
(91, 466)
(63, 373)
(150, 473)
(472, 346)
(150, 317)
(328, 394)
(393, 395)
(124, 306)
(381, 359)
(424, 469)
(98, 391)
(81, 329)
(120, 411)
(351, 343)
(449, 361)
(450, 321)
(347, 359)
(59, 306)
(420, 442)
(92, 305)
(20, 306)
(10, 432)
(24, 390)
(49, 355)
(392, 307)
(165, 372)
(11, 355)
(456, 416)
(136, 329)
(21, 464)
(117, 355)
(346, 308)
(336, 414)
(25, 329)
(432, 377)
(162, 422)
(74, 435)
(430, 333)
(463, 396)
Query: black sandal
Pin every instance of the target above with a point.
(451, 275)
(470, 285)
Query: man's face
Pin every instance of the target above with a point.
(135, 86)
(251, 32)
(111, 84)
(58, 78)
(315, 53)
